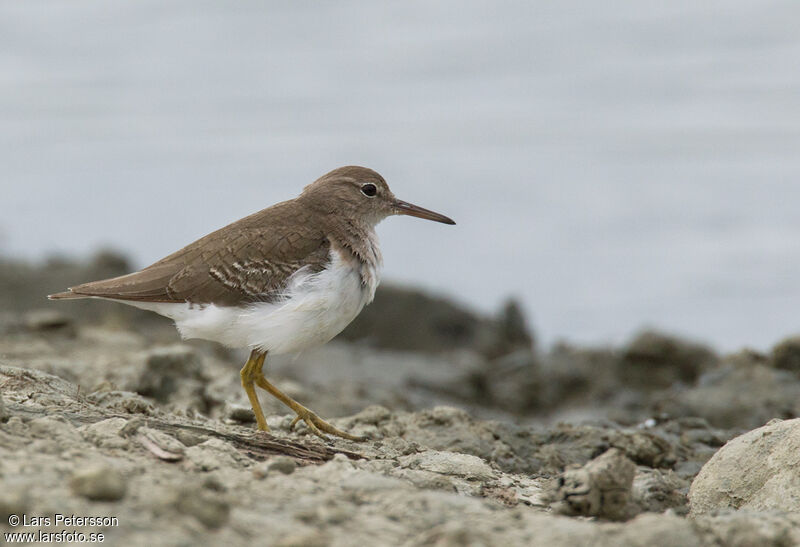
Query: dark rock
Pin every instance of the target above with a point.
(410, 320)
(238, 413)
(512, 382)
(786, 355)
(760, 394)
(575, 376)
(654, 360)
(169, 370)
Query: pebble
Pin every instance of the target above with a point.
(279, 464)
(99, 483)
(238, 413)
(209, 509)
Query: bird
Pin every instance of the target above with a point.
(284, 279)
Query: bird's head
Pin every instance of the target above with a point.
(361, 193)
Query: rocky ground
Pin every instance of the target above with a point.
(476, 436)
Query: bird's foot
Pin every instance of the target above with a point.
(319, 427)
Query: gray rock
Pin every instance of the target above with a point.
(410, 320)
(213, 454)
(54, 428)
(190, 438)
(760, 393)
(757, 471)
(649, 530)
(513, 382)
(122, 401)
(601, 488)
(168, 370)
(238, 413)
(4, 413)
(207, 507)
(372, 415)
(276, 464)
(106, 433)
(449, 463)
(656, 490)
(35, 385)
(282, 464)
(745, 528)
(99, 483)
(656, 360)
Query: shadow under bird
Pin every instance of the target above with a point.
(281, 280)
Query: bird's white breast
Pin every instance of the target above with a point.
(315, 308)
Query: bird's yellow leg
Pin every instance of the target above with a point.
(250, 373)
(316, 424)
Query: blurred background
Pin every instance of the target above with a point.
(612, 167)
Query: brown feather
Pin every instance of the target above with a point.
(249, 260)
(253, 258)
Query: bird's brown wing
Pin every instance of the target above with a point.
(228, 267)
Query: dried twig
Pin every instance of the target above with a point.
(257, 445)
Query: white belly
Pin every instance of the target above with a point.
(317, 307)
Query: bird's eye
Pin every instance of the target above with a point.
(369, 190)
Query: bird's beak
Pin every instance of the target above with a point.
(404, 208)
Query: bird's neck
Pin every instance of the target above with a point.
(358, 239)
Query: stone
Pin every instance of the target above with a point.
(601, 488)
(106, 433)
(123, 401)
(756, 471)
(657, 490)
(745, 528)
(656, 360)
(213, 454)
(53, 427)
(238, 413)
(282, 464)
(449, 463)
(761, 392)
(99, 483)
(168, 370)
(207, 507)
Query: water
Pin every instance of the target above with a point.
(613, 167)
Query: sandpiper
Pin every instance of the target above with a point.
(281, 280)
